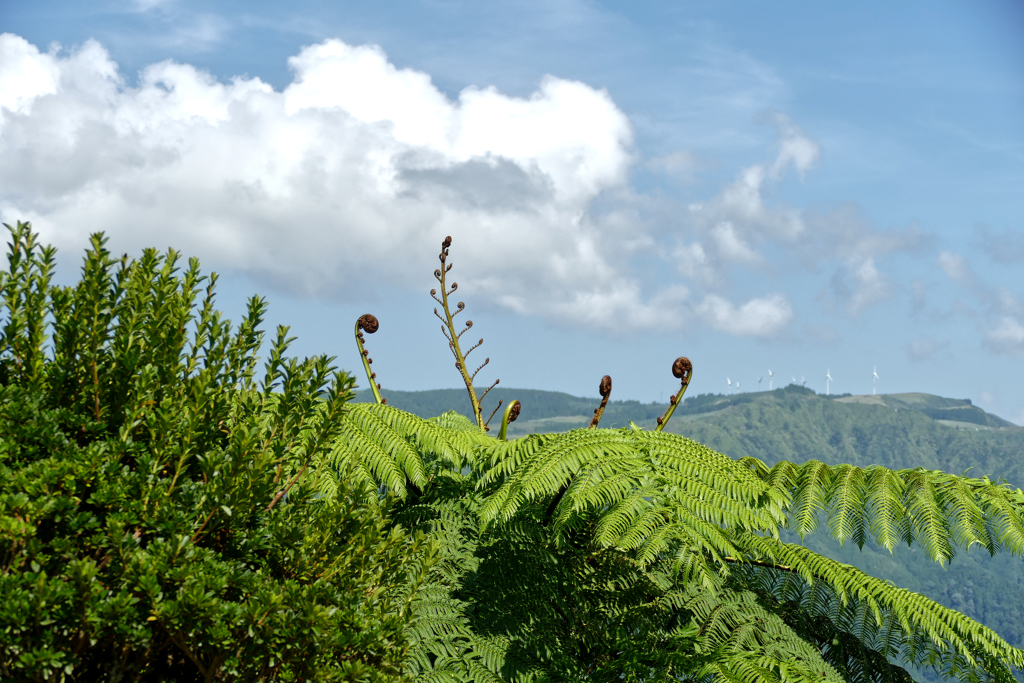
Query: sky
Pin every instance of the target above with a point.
(801, 188)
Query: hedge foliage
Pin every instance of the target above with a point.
(156, 517)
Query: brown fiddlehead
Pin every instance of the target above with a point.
(606, 390)
(369, 324)
(682, 369)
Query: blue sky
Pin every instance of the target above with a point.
(788, 186)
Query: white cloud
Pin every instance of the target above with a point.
(872, 286)
(844, 235)
(356, 168)
(858, 286)
(25, 74)
(735, 226)
(1006, 336)
(796, 148)
(731, 246)
(692, 262)
(742, 203)
(956, 268)
(681, 166)
(758, 317)
(359, 168)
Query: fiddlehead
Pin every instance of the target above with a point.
(448, 329)
(369, 324)
(606, 390)
(511, 414)
(682, 369)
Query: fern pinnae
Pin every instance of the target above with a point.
(885, 509)
(453, 448)
(636, 509)
(1003, 511)
(811, 496)
(604, 477)
(967, 520)
(926, 513)
(846, 503)
(376, 423)
(1006, 519)
(679, 459)
(551, 466)
(353, 445)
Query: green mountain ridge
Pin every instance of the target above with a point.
(794, 423)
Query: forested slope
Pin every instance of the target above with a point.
(794, 423)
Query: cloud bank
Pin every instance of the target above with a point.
(358, 169)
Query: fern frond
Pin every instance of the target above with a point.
(925, 632)
(747, 642)
(541, 466)
(940, 511)
(392, 448)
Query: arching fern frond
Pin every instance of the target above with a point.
(888, 619)
(541, 467)
(655, 493)
(745, 641)
(392, 448)
(940, 511)
(848, 638)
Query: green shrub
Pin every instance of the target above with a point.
(157, 518)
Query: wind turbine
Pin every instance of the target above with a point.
(828, 378)
(759, 382)
(874, 379)
(771, 376)
(737, 386)
(729, 382)
(803, 382)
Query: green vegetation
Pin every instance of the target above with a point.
(154, 521)
(166, 516)
(898, 431)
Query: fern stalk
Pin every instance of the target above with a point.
(453, 337)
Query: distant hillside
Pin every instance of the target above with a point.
(794, 423)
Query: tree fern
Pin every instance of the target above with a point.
(627, 555)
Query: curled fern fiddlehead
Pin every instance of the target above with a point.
(511, 415)
(682, 369)
(369, 324)
(606, 390)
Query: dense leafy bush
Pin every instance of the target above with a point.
(157, 515)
